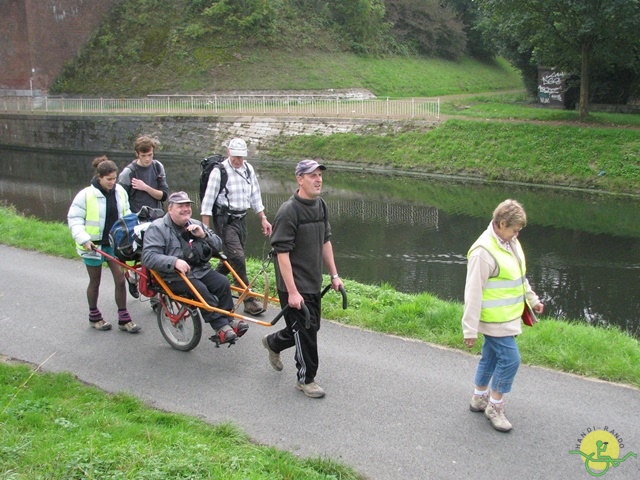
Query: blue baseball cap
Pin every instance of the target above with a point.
(308, 166)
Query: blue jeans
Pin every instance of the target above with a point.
(499, 363)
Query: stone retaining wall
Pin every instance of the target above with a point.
(186, 135)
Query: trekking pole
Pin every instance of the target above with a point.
(305, 312)
(342, 292)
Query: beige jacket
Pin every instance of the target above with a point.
(480, 268)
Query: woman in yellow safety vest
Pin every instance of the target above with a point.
(495, 293)
(93, 212)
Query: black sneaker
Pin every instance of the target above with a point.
(133, 289)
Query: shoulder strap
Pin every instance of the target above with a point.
(224, 176)
(323, 218)
(133, 166)
(134, 170)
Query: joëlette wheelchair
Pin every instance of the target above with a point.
(180, 316)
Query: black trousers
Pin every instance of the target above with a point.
(295, 334)
(233, 232)
(215, 290)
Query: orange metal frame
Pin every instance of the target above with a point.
(199, 302)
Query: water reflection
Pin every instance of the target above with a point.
(583, 251)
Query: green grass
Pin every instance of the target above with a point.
(262, 69)
(519, 106)
(55, 427)
(602, 159)
(274, 70)
(569, 346)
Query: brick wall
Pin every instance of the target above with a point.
(43, 35)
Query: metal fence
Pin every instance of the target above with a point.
(367, 209)
(295, 105)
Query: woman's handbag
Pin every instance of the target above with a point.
(528, 317)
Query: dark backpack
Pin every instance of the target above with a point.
(125, 239)
(207, 165)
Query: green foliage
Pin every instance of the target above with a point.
(429, 28)
(255, 16)
(577, 37)
(363, 22)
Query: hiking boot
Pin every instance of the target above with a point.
(253, 307)
(240, 327)
(495, 413)
(101, 325)
(479, 402)
(274, 358)
(226, 334)
(312, 389)
(129, 327)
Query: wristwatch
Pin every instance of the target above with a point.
(335, 276)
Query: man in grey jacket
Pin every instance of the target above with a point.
(177, 243)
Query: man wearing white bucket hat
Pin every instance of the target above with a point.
(227, 203)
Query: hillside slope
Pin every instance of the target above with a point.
(157, 47)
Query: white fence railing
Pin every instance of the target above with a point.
(295, 105)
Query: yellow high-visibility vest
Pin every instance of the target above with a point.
(503, 297)
(92, 221)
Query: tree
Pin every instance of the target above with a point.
(478, 45)
(570, 35)
(363, 21)
(428, 27)
(255, 16)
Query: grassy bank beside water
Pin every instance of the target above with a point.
(49, 422)
(580, 156)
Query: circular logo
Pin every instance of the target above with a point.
(599, 448)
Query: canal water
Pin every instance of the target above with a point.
(409, 231)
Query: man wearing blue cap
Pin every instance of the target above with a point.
(301, 238)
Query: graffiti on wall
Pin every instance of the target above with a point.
(551, 87)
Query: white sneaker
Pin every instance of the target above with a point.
(495, 413)
(479, 402)
(312, 389)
